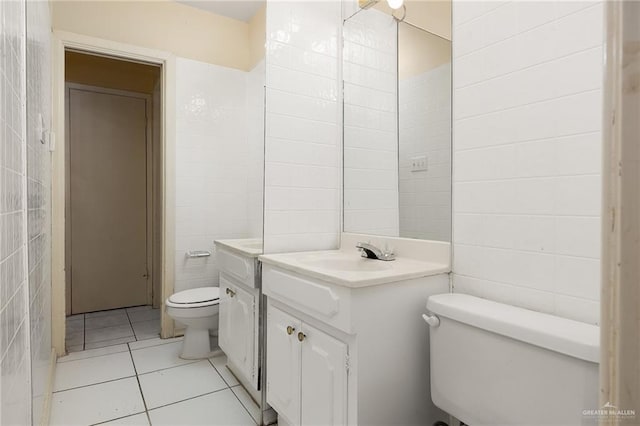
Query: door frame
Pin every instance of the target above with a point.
(61, 41)
(150, 200)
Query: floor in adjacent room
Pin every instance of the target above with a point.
(145, 382)
(114, 327)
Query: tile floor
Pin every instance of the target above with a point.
(146, 383)
(107, 328)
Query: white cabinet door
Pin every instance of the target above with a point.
(224, 320)
(283, 365)
(241, 318)
(324, 379)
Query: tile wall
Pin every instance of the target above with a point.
(303, 128)
(255, 150)
(370, 72)
(15, 394)
(527, 135)
(211, 166)
(38, 60)
(25, 300)
(425, 130)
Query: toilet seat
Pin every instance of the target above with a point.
(195, 298)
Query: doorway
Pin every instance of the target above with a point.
(112, 211)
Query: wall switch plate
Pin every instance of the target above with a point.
(419, 164)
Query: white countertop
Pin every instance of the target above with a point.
(249, 247)
(347, 268)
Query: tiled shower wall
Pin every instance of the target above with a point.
(370, 73)
(527, 128)
(24, 211)
(302, 143)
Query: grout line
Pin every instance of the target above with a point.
(221, 375)
(135, 369)
(528, 141)
(459, 118)
(118, 418)
(162, 342)
(93, 384)
(244, 406)
(517, 286)
(64, 361)
(190, 398)
(132, 329)
(529, 67)
(108, 340)
(525, 178)
(529, 251)
(173, 366)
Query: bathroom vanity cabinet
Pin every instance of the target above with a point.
(238, 330)
(348, 348)
(307, 371)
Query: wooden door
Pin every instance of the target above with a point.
(324, 379)
(283, 365)
(107, 211)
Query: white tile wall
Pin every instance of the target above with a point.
(255, 150)
(212, 159)
(425, 130)
(527, 122)
(370, 124)
(302, 143)
(15, 394)
(38, 62)
(24, 210)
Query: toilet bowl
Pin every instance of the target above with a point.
(198, 310)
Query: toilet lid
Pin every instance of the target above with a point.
(196, 295)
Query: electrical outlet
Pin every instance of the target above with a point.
(419, 164)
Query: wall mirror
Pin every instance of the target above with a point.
(397, 126)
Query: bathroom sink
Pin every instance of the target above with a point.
(347, 268)
(339, 263)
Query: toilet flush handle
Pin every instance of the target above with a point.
(432, 320)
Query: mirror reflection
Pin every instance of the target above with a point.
(397, 128)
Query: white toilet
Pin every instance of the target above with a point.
(198, 310)
(496, 364)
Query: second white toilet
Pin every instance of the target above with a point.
(198, 310)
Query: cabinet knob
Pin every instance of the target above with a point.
(230, 292)
(301, 336)
(290, 330)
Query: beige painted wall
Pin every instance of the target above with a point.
(432, 15)
(159, 24)
(257, 37)
(420, 51)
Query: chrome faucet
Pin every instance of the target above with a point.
(370, 251)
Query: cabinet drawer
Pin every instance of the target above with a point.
(316, 298)
(238, 267)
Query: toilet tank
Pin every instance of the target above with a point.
(496, 364)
